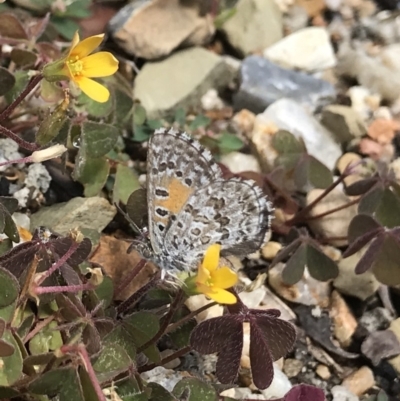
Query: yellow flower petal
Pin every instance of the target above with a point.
(87, 46)
(224, 277)
(101, 64)
(75, 41)
(211, 258)
(93, 89)
(203, 275)
(221, 296)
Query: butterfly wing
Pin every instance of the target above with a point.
(176, 166)
(234, 213)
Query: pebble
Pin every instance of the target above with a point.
(271, 301)
(197, 301)
(166, 378)
(308, 49)
(179, 81)
(271, 249)
(38, 177)
(379, 74)
(211, 101)
(279, 387)
(395, 327)
(360, 381)
(153, 29)
(344, 122)
(341, 393)
(292, 367)
(256, 25)
(363, 102)
(361, 286)
(323, 372)
(376, 319)
(244, 120)
(334, 224)
(238, 162)
(383, 131)
(344, 322)
(350, 159)
(259, 88)
(287, 114)
(93, 213)
(307, 291)
(8, 151)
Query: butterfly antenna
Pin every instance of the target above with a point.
(132, 224)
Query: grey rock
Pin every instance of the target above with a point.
(90, 213)
(341, 393)
(291, 116)
(380, 345)
(379, 74)
(256, 25)
(376, 319)
(343, 122)
(263, 82)
(180, 81)
(153, 29)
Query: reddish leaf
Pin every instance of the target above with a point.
(262, 368)
(367, 260)
(280, 335)
(212, 335)
(305, 392)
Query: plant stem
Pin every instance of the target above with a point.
(135, 297)
(132, 274)
(38, 327)
(167, 359)
(87, 364)
(74, 246)
(21, 142)
(188, 317)
(299, 217)
(331, 211)
(29, 87)
(166, 321)
(64, 288)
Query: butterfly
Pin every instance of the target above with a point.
(191, 206)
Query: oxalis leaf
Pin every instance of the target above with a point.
(98, 139)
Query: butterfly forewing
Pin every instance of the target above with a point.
(176, 166)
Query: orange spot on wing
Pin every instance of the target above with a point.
(178, 195)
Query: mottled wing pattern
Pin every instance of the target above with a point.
(234, 213)
(177, 165)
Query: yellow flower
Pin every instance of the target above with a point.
(212, 280)
(80, 66)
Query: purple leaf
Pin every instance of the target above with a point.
(279, 334)
(229, 356)
(305, 392)
(212, 335)
(262, 369)
(367, 260)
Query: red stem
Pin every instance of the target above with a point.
(29, 87)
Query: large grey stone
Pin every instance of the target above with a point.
(263, 82)
(90, 213)
(256, 25)
(180, 81)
